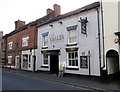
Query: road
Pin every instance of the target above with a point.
(15, 81)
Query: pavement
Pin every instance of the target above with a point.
(108, 84)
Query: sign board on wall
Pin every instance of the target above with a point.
(83, 62)
(56, 38)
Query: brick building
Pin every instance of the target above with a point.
(3, 45)
(20, 45)
(1, 34)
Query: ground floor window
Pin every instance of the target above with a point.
(9, 59)
(45, 59)
(25, 61)
(73, 58)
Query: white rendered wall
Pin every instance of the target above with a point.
(111, 25)
(85, 44)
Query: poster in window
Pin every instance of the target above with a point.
(83, 62)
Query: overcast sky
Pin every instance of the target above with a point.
(30, 10)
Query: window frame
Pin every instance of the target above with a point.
(44, 40)
(45, 59)
(26, 41)
(74, 36)
(10, 45)
(74, 59)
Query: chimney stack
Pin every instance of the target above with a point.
(1, 33)
(19, 24)
(49, 11)
(57, 10)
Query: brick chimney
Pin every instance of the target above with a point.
(19, 24)
(49, 11)
(57, 10)
(1, 33)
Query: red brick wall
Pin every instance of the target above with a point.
(30, 32)
(1, 33)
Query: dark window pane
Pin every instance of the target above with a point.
(72, 55)
(76, 62)
(73, 62)
(69, 62)
(76, 54)
(69, 56)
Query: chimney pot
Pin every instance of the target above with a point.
(49, 11)
(57, 9)
(1, 33)
(19, 24)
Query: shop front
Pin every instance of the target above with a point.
(27, 60)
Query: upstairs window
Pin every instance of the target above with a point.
(10, 45)
(45, 39)
(72, 36)
(25, 41)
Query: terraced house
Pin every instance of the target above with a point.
(20, 45)
(84, 41)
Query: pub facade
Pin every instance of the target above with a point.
(82, 41)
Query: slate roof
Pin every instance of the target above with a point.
(38, 23)
(85, 8)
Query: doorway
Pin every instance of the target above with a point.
(17, 62)
(54, 64)
(112, 58)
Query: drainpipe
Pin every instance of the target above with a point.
(103, 36)
(99, 38)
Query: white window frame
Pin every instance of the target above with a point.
(25, 41)
(45, 43)
(10, 44)
(9, 59)
(74, 36)
(72, 59)
(45, 59)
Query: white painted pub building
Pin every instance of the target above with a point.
(84, 41)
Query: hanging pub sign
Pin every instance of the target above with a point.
(83, 25)
(83, 62)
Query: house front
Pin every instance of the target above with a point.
(19, 46)
(80, 41)
(70, 40)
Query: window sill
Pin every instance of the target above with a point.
(45, 47)
(72, 68)
(44, 66)
(71, 44)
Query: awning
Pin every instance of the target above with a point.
(45, 34)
